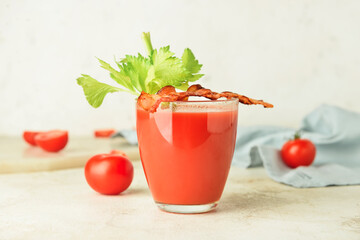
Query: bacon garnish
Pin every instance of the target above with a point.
(150, 102)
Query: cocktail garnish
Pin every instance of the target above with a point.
(136, 74)
(150, 102)
(155, 78)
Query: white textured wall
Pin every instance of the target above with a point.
(294, 54)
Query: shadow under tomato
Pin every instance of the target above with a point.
(36, 152)
(135, 191)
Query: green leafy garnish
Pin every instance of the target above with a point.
(149, 74)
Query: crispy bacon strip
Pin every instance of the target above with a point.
(150, 102)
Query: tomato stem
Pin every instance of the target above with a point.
(297, 135)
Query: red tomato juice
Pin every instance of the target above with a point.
(186, 156)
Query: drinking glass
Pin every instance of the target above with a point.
(186, 150)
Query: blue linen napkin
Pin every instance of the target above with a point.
(128, 134)
(334, 131)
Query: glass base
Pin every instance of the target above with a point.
(175, 208)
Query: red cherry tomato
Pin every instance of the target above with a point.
(104, 133)
(298, 152)
(52, 141)
(109, 174)
(119, 152)
(29, 137)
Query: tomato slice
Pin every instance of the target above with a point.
(29, 137)
(52, 141)
(104, 133)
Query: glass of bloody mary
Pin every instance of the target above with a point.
(186, 150)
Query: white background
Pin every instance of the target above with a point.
(294, 54)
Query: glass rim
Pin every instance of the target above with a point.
(204, 101)
(200, 106)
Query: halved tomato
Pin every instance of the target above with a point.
(104, 133)
(29, 137)
(52, 141)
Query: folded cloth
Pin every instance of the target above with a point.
(128, 134)
(334, 131)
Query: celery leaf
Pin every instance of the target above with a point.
(191, 65)
(95, 91)
(138, 73)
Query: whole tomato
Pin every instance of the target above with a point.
(109, 174)
(298, 152)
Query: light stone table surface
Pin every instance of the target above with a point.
(60, 205)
